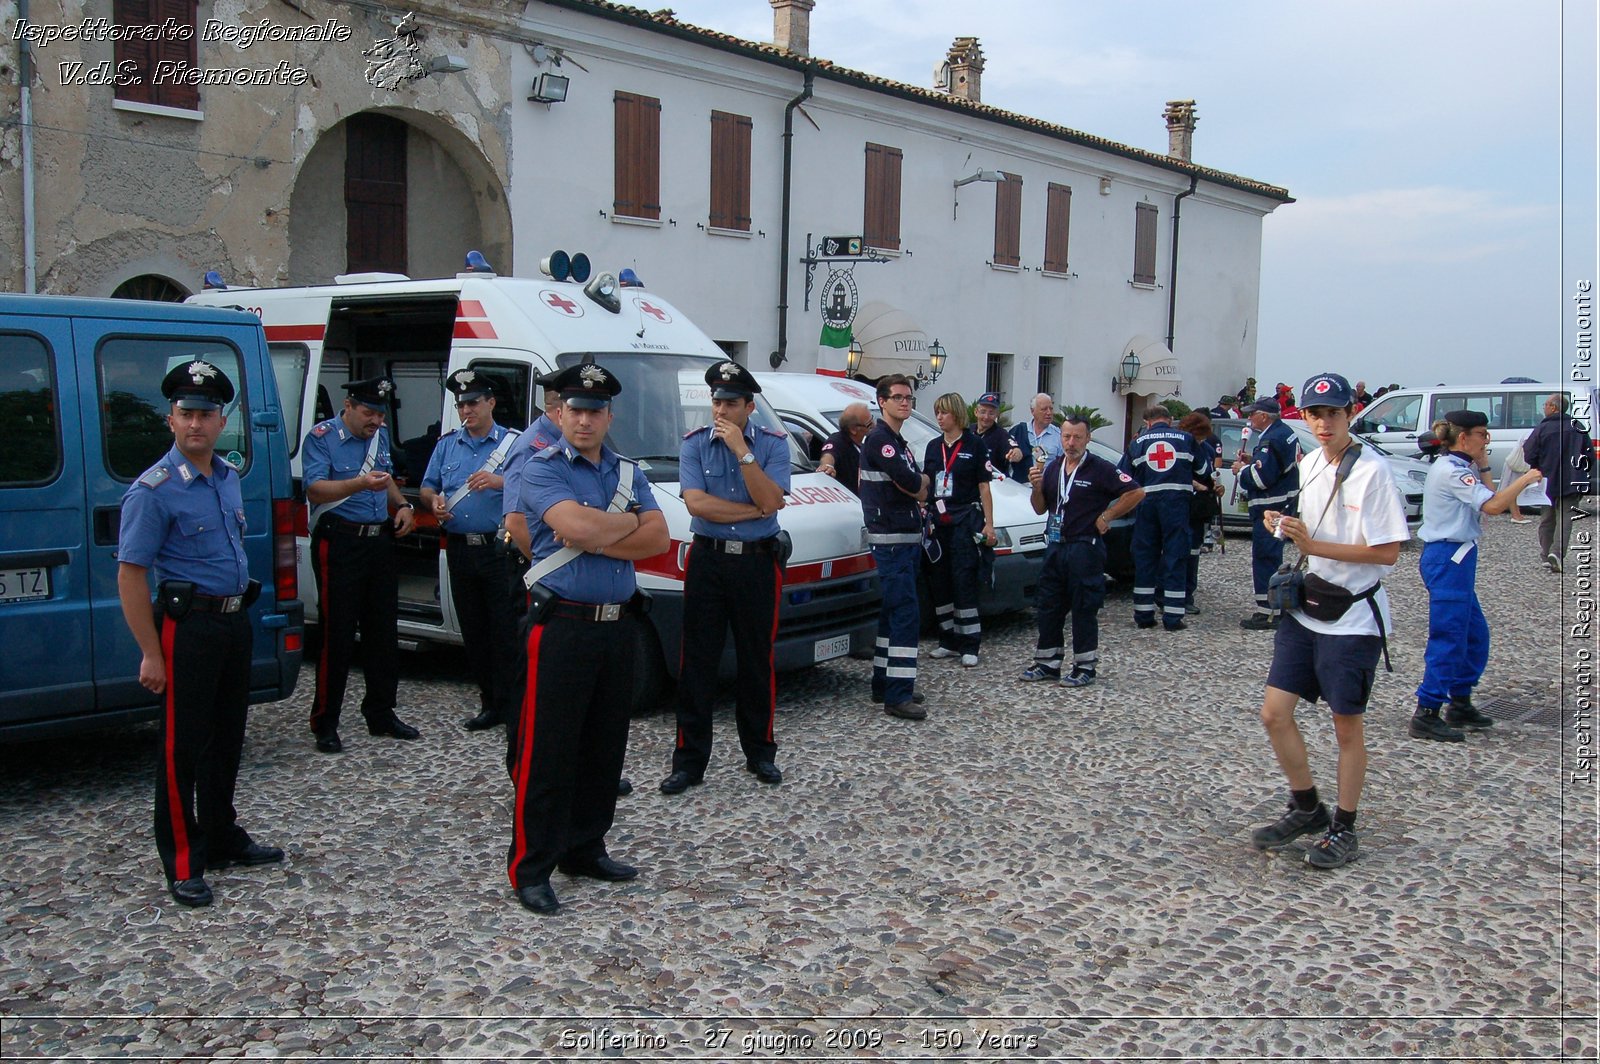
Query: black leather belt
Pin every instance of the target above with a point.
(217, 603)
(354, 528)
(738, 546)
(1064, 540)
(589, 611)
(471, 539)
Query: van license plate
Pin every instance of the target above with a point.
(18, 585)
(828, 649)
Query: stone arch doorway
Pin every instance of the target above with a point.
(399, 191)
(150, 286)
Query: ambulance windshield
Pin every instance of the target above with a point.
(663, 398)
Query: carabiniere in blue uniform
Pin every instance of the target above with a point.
(582, 627)
(184, 520)
(480, 582)
(734, 574)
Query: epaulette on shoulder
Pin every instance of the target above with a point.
(776, 433)
(549, 452)
(691, 432)
(447, 435)
(155, 475)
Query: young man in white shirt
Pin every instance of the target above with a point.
(1350, 528)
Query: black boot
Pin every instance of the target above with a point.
(1461, 713)
(1426, 724)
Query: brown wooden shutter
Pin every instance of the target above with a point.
(730, 171)
(637, 173)
(1057, 226)
(1144, 244)
(139, 53)
(180, 52)
(375, 194)
(881, 214)
(146, 55)
(1008, 221)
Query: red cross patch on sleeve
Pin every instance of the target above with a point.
(888, 450)
(1468, 479)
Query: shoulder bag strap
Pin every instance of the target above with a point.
(620, 501)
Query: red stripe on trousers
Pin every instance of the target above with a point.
(772, 674)
(519, 834)
(319, 703)
(177, 808)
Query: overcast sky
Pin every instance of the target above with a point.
(1423, 141)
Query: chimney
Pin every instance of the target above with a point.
(791, 25)
(1180, 118)
(961, 73)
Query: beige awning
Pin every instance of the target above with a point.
(1158, 368)
(891, 341)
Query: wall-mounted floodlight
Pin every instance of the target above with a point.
(994, 177)
(445, 64)
(550, 88)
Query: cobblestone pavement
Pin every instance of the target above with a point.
(1029, 873)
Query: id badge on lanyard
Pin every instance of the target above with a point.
(1052, 527)
(944, 483)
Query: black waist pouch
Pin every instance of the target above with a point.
(1323, 600)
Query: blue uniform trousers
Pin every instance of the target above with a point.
(1160, 556)
(1266, 554)
(1458, 633)
(953, 583)
(1073, 581)
(894, 661)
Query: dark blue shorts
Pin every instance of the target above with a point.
(1338, 669)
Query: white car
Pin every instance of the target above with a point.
(1409, 474)
(810, 405)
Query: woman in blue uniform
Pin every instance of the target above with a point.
(1453, 504)
(961, 511)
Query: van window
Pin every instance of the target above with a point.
(1397, 414)
(511, 398)
(28, 404)
(130, 370)
(1526, 409)
(414, 415)
(289, 365)
(1491, 405)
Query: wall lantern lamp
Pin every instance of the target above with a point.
(550, 88)
(1130, 373)
(936, 357)
(852, 357)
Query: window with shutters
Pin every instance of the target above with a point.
(1144, 244)
(168, 49)
(880, 225)
(1008, 221)
(638, 157)
(730, 171)
(1057, 224)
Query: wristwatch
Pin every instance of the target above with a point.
(748, 459)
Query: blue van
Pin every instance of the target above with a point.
(81, 416)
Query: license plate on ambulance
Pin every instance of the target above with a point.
(828, 649)
(21, 585)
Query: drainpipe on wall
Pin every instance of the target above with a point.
(781, 355)
(30, 274)
(1172, 276)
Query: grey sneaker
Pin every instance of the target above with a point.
(1038, 672)
(1078, 679)
(941, 652)
(1337, 847)
(1552, 561)
(1291, 826)
(969, 661)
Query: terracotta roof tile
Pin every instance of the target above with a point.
(666, 21)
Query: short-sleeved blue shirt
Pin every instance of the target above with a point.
(1452, 501)
(707, 464)
(332, 452)
(187, 525)
(561, 474)
(539, 435)
(456, 457)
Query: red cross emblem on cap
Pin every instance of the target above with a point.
(1320, 387)
(557, 301)
(653, 310)
(1161, 456)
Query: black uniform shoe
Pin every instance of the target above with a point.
(538, 898)
(253, 853)
(1259, 622)
(392, 725)
(1425, 724)
(916, 697)
(906, 710)
(1144, 624)
(1461, 713)
(482, 722)
(1176, 626)
(328, 743)
(679, 781)
(194, 892)
(602, 867)
(624, 787)
(765, 771)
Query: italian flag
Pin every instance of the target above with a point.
(832, 346)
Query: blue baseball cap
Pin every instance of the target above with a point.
(1327, 389)
(989, 399)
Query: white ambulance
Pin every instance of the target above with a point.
(419, 331)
